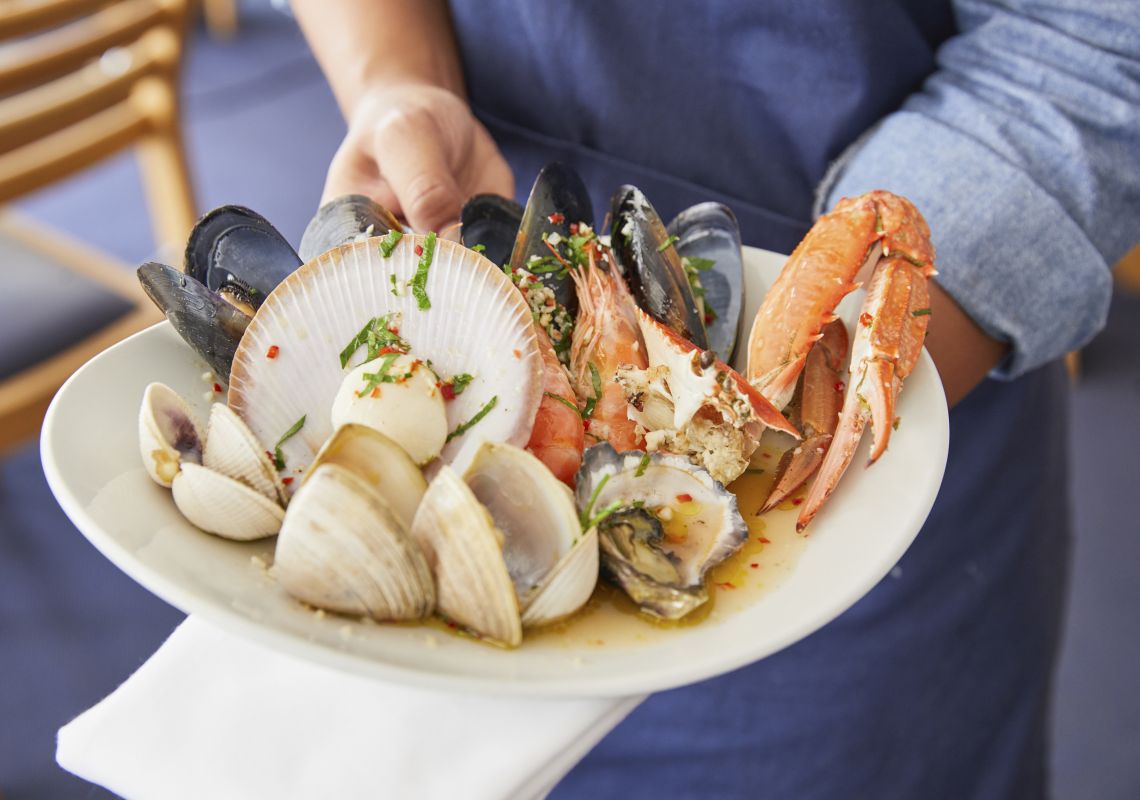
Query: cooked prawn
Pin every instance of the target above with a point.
(558, 436)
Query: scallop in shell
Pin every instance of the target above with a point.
(168, 434)
(685, 523)
(468, 318)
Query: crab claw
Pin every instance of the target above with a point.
(888, 341)
(820, 398)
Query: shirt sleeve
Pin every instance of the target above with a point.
(1022, 150)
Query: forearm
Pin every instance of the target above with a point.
(369, 43)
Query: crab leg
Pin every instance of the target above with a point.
(821, 396)
(888, 341)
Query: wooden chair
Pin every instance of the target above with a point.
(80, 81)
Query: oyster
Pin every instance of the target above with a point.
(662, 524)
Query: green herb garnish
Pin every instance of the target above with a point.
(419, 280)
(920, 312)
(665, 245)
(596, 380)
(466, 426)
(392, 280)
(460, 382)
(374, 379)
(584, 517)
(601, 515)
(389, 242)
(278, 456)
(641, 465)
(479, 248)
(375, 335)
(563, 401)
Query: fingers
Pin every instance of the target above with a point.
(352, 171)
(412, 158)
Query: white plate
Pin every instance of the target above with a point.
(91, 457)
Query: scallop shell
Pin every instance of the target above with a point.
(342, 548)
(552, 565)
(168, 434)
(223, 506)
(465, 551)
(478, 323)
(379, 462)
(233, 450)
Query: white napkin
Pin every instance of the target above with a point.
(212, 715)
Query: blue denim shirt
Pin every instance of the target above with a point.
(1023, 152)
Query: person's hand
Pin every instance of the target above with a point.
(419, 151)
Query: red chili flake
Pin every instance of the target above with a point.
(518, 353)
(394, 330)
(451, 624)
(840, 386)
(866, 319)
(726, 585)
(386, 350)
(684, 498)
(287, 481)
(419, 249)
(446, 389)
(217, 388)
(574, 228)
(269, 455)
(709, 319)
(272, 351)
(375, 393)
(754, 565)
(585, 424)
(765, 540)
(556, 218)
(797, 501)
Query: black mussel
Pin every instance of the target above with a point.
(343, 220)
(236, 252)
(708, 241)
(629, 541)
(492, 221)
(557, 200)
(652, 266)
(210, 325)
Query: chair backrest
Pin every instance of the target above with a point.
(81, 80)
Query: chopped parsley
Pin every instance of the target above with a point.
(479, 248)
(392, 280)
(389, 242)
(374, 379)
(920, 312)
(278, 456)
(563, 401)
(584, 517)
(641, 465)
(469, 424)
(665, 245)
(596, 380)
(460, 382)
(376, 335)
(694, 266)
(419, 280)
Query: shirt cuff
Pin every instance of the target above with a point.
(1006, 251)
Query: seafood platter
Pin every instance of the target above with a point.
(524, 453)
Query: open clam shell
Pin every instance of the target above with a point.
(477, 323)
(552, 565)
(342, 548)
(380, 463)
(465, 552)
(168, 434)
(223, 506)
(233, 450)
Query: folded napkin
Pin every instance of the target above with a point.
(213, 715)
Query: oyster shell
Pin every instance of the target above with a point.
(168, 434)
(698, 521)
(342, 548)
(477, 323)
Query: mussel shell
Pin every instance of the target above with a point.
(211, 326)
(342, 220)
(558, 190)
(492, 221)
(652, 266)
(710, 230)
(630, 542)
(237, 252)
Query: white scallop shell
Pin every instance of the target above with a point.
(168, 433)
(465, 552)
(233, 450)
(478, 323)
(379, 462)
(223, 506)
(343, 549)
(536, 514)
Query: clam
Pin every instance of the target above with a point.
(493, 222)
(664, 523)
(465, 317)
(504, 544)
(224, 506)
(708, 242)
(232, 450)
(168, 434)
(343, 548)
(342, 220)
(652, 267)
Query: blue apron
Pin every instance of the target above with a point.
(936, 683)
